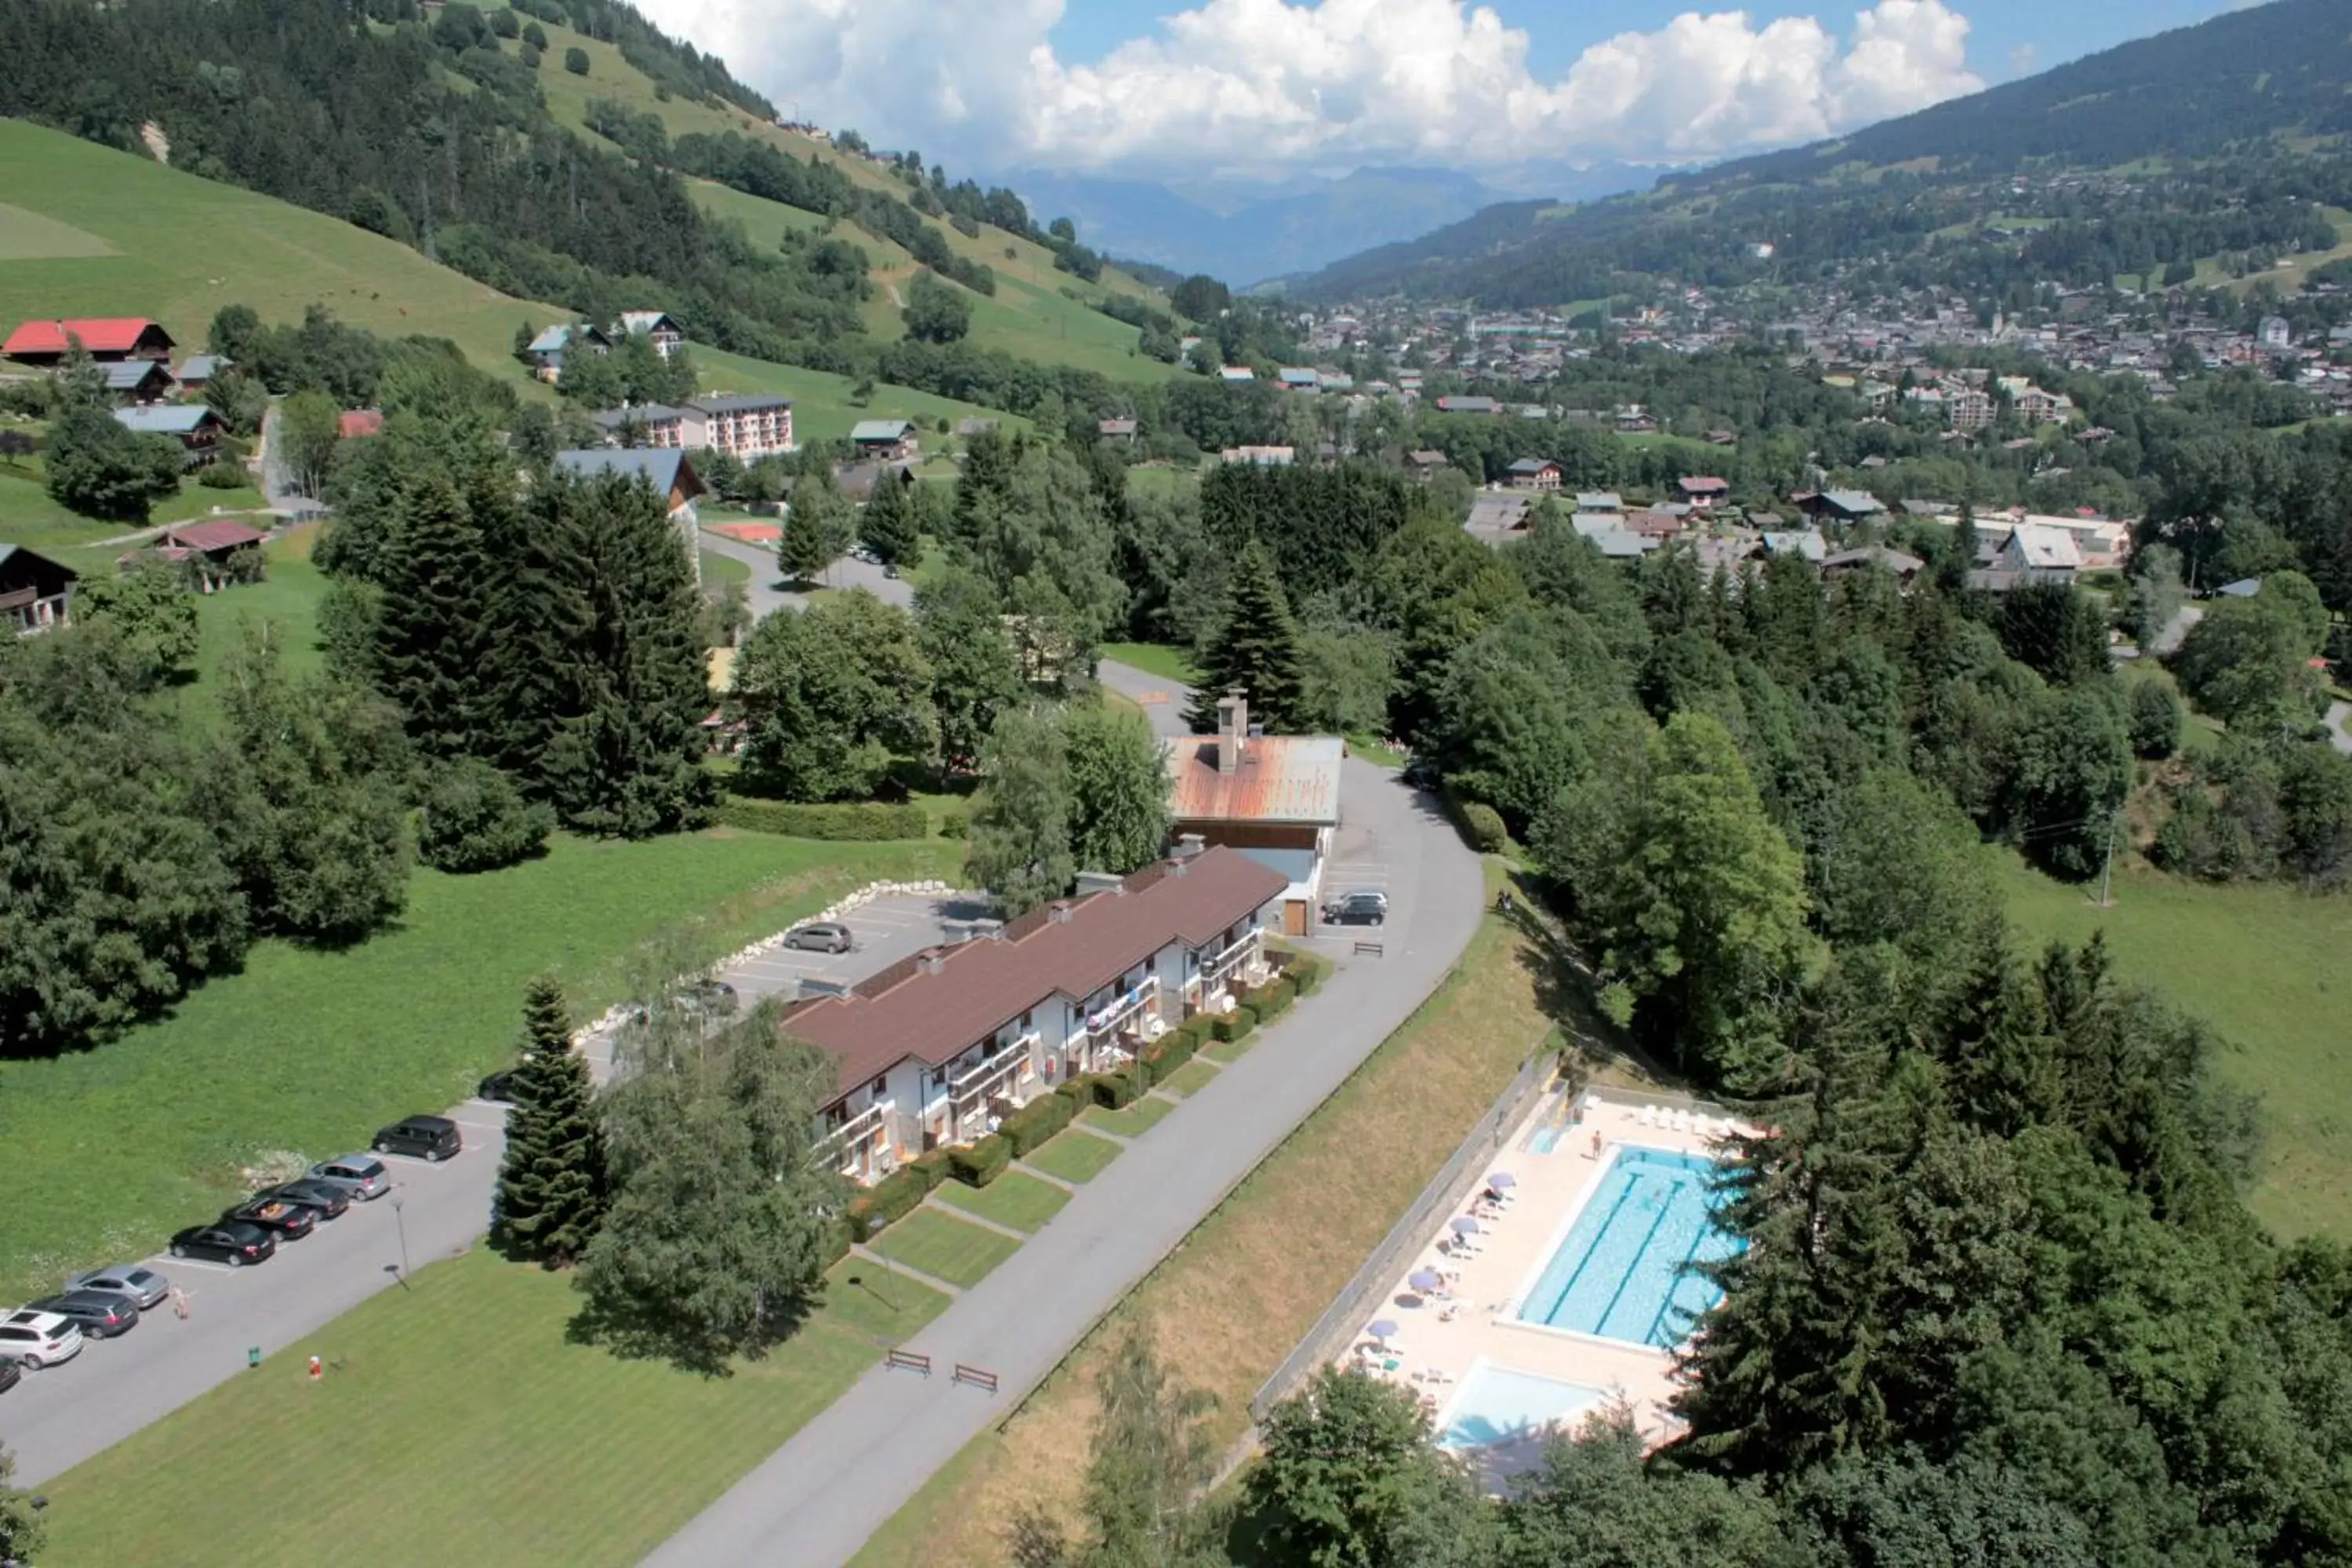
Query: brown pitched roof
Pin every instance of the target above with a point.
(226, 535)
(977, 988)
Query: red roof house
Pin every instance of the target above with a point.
(360, 422)
(103, 338)
(1703, 489)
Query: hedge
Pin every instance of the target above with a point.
(1173, 1050)
(1027, 1128)
(1235, 1025)
(863, 822)
(955, 824)
(1272, 1002)
(1483, 826)
(1116, 1090)
(1304, 971)
(983, 1163)
(894, 1196)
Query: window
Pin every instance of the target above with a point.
(1151, 964)
(877, 1088)
(1025, 1019)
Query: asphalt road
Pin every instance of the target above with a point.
(768, 593)
(59, 1416)
(814, 1502)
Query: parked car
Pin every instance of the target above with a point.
(11, 1374)
(703, 999)
(820, 936)
(434, 1138)
(144, 1287)
(363, 1174)
(1357, 908)
(102, 1313)
(290, 1221)
(328, 1199)
(39, 1339)
(236, 1244)
(499, 1086)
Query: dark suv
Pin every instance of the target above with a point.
(429, 1137)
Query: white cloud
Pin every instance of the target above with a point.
(1259, 86)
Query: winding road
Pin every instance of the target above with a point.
(816, 1500)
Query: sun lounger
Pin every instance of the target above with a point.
(1649, 1116)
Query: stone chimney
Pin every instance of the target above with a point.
(1189, 846)
(1058, 913)
(821, 985)
(1233, 729)
(1100, 882)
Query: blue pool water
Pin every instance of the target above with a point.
(1496, 1404)
(1624, 1271)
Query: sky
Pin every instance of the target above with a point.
(1266, 89)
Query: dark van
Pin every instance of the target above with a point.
(429, 1137)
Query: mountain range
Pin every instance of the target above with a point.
(2264, 86)
(1250, 233)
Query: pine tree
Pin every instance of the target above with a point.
(551, 1191)
(1256, 648)
(888, 527)
(812, 528)
(434, 633)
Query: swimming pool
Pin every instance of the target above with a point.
(1622, 1272)
(1496, 1404)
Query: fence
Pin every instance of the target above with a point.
(1447, 1188)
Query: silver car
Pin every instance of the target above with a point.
(143, 1287)
(362, 1176)
(821, 936)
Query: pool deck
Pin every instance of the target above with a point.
(1434, 1354)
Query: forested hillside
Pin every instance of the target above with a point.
(2210, 141)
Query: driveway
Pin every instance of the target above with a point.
(815, 1501)
(59, 1417)
(768, 593)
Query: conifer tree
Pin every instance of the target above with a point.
(888, 527)
(552, 1190)
(434, 633)
(811, 537)
(1256, 648)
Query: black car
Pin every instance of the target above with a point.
(291, 1221)
(12, 1373)
(102, 1313)
(499, 1086)
(1364, 908)
(329, 1199)
(434, 1138)
(223, 1242)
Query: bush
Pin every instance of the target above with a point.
(1483, 826)
(956, 825)
(892, 1198)
(1116, 1090)
(861, 822)
(1235, 1025)
(475, 820)
(221, 477)
(983, 1163)
(530, 54)
(1304, 971)
(1027, 1128)
(1273, 1001)
(575, 60)
(1173, 1049)
(2154, 720)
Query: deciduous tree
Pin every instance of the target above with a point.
(831, 696)
(1118, 789)
(1020, 847)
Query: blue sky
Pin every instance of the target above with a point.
(1263, 90)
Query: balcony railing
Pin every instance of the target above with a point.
(1230, 957)
(1106, 1019)
(970, 1091)
(842, 1146)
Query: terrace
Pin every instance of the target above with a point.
(851, 1148)
(993, 1077)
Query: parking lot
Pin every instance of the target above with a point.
(59, 1416)
(1358, 863)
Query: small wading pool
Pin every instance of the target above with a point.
(1496, 1405)
(1624, 1270)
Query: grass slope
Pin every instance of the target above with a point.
(2258, 962)
(309, 1049)
(1228, 1304)
(457, 1411)
(181, 247)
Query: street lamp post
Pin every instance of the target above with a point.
(400, 1223)
(874, 1223)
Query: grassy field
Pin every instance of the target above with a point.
(945, 1248)
(1132, 1122)
(2258, 962)
(822, 409)
(27, 515)
(1015, 1198)
(527, 1450)
(1227, 1305)
(177, 247)
(309, 1049)
(1189, 1079)
(1074, 1156)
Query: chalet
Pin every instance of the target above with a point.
(1235, 375)
(746, 427)
(1534, 474)
(1703, 489)
(1657, 522)
(888, 439)
(1599, 500)
(1839, 506)
(36, 593)
(1720, 438)
(1298, 379)
(105, 339)
(659, 327)
(359, 424)
(547, 351)
(1468, 405)
(195, 427)
(2040, 554)
(1116, 429)
(1275, 798)
(1496, 517)
(1905, 566)
(856, 481)
(1424, 462)
(931, 1052)
(210, 550)
(670, 474)
(133, 381)
(1259, 456)
(198, 371)
(1804, 544)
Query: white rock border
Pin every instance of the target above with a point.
(847, 904)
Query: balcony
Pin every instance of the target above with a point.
(1114, 1015)
(846, 1148)
(994, 1077)
(1215, 967)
